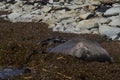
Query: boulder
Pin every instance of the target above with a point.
(51, 1)
(12, 17)
(59, 27)
(72, 7)
(46, 8)
(115, 22)
(87, 24)
(10, 1)
(111, 32)
(112, 11)
(105, 21)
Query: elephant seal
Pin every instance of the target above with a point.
(84, 49)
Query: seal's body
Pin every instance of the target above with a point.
(84, 49)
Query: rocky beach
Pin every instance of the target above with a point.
(24, 24)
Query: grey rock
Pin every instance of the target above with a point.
(2, 6)
(78, 2)
(12, 17)
(67, 15)
(72, 7)
(112, 11)
(24, 18)
(85, 16)
(105, 21)
(111, 32)
(84, 49)
(51, 1)
(46, 8)
(36, 12)
(17, 7)
(94, 31)
(10, 1)
(29, 18)
(87, 24)
(31, 1)
(59, 27)
(115, 22)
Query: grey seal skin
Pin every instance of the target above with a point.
(84, 49)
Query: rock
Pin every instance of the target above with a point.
(85, 32)
(28, 8)
(66, 15)
(91, 8)
(70, 28)
(94, 31)
(105, 21)
(30, 18)
(12, 17)
(17, 7)
(51, 26)
(36, 12)
(51, 22)
(31, 1)
(78, 2)
(46, 8)
(68, 21)
(85, 16)
(99, 14)
(112, 11)
(95, 2)
(111, 32)
(62, 1)
(84, 49)
(82, 12)
(37, 18)
(51, 1)
(10, 1)
(59, 27)
(87, 24)
(25, 18)
(2, 7)
(115, 22)
(73, 7)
